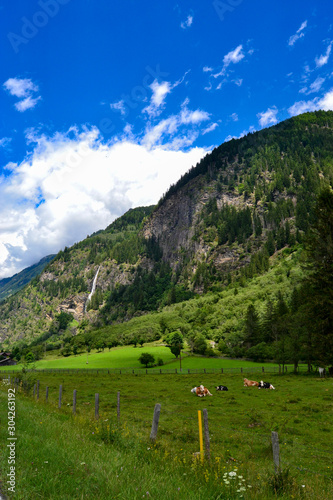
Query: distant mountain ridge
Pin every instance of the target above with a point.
(10, 286)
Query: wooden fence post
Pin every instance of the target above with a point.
(156, 417)
(206, 431)
(47, 394)
(118, 406)
(60, 395)
(200, 436)
(97, 405)
(276, 451)
(74, 401)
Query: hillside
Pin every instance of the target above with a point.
(10, 286)
(221, 225)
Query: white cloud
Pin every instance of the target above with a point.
(159, 93)
(323, 59)
(268, 117)
(186, 122)
(242, 134)
(238, 82)
(119, 106)
(210, 128)
(5, 141)
(73, 184)
(234, 117)
(27, 103)
(314, 87)
(325, 103)
(186, 24)
(20, 87)
(299, 34)
(24, 89)
(302, 107)
(234, 56)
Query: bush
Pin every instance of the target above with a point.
(160, 362)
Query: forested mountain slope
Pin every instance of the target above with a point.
(219, 224)
(10, 286)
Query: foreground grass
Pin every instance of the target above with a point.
(60, 456)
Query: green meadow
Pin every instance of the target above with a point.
(127, 357)
(66, 456)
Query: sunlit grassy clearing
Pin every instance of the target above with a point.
(127, 357)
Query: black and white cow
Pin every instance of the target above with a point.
(221, 388)
(265, 385)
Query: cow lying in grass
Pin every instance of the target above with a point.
(250, 383)
(265, 385)
(221, 388)
(201, 391)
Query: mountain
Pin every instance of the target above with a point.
(220, 225)
(10, 286)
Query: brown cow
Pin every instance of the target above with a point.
(201, 391)
(250, 383)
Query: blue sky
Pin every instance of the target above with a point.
(104, 104)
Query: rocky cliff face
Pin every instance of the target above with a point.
(178, 227)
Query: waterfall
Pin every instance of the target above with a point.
(93, 288)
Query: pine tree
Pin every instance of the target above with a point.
(319, 279)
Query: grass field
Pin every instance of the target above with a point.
(127, 357)
(62, 456)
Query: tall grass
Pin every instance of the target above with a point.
(62, 456)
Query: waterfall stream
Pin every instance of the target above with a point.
(93, 288)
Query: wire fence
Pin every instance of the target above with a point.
(154, 371)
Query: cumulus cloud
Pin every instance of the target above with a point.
(72, 184)
(299, 34)
(325, 103)
(24, 89)
(323, 59)
(268, 117)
